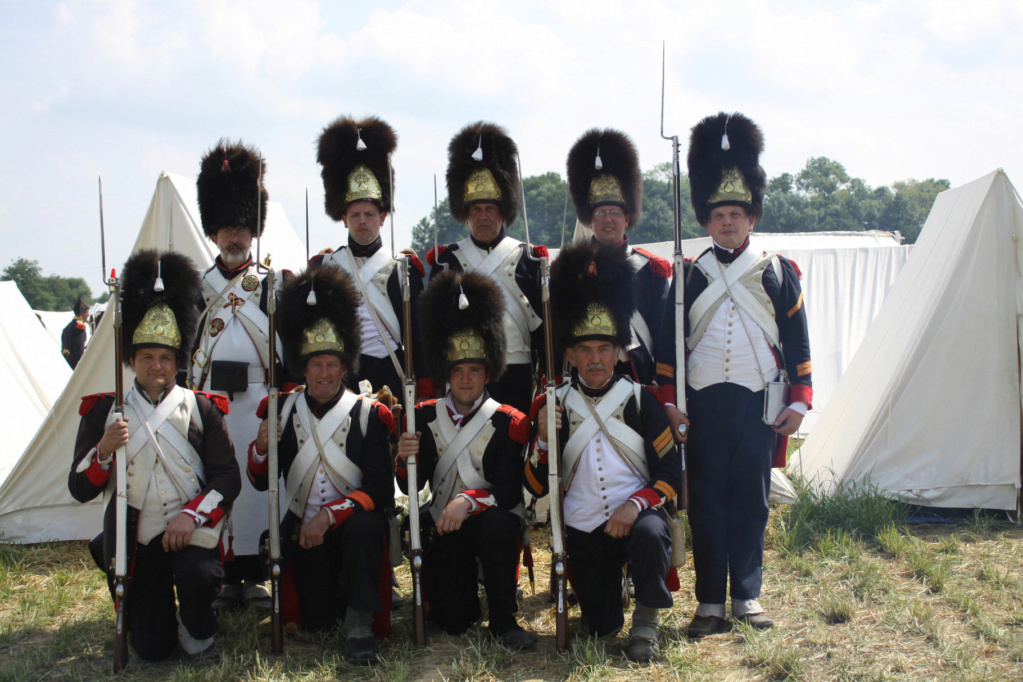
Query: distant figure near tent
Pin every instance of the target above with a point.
(72, 339)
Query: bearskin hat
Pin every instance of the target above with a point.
(719, 145)
(603, 168)
(346, 144)
(592, 295)
(152, 283)
(335, 301)
(481, 146)
(453, 333)
(230, 185)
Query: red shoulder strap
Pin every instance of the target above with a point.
(89, 402)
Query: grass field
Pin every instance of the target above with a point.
(856, 594)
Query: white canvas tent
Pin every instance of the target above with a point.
(55, 321)
(35, 504)
(32, 372)
(929, 408)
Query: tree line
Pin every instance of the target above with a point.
(51, 292)
(821, 197)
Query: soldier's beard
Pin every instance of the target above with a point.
(233, 257)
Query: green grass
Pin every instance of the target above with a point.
(856, 594)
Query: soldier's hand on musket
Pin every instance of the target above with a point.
(115, 436)
(787, 422)
(542, 420)
(453, 515)
(262, 441)
(312, 533)
(621, 522)
(408, 444)
(678, 422)
(178, 532)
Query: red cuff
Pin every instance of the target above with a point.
(340, 510)
(214, 516)
(96, 474)
(257, 467)
(648, 495)
(483, 498)
(400, 468)
(801, 393)
(668, 394)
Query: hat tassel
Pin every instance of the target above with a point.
(311, 298)
(360, 145)
(463, 300)
(158, 284)
(478, 154)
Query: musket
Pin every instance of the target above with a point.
(120, 563)
(558, 556)
(102, 231)
(411, 464)
(436, 222)
(676, 197)
(273, 462)
(273, 499)
(306, 224)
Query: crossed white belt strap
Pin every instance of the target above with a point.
(458, 440)
(631, 442)
(487, 266)
(719, 287)
(157, 423)
(377, 303)
(343, 473)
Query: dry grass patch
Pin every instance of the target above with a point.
(855, 595)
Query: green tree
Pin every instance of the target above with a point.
(914, 204)
(45, 293)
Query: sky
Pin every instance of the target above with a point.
(892, 89)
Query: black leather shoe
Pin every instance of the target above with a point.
(704, 626)
(208, 656)
(514, 637)
(757, 621)
(363, 650)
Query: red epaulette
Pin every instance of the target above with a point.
(540, 251)
(519, 427)
(385, 416)
(799, 273)
(538, 402)
(89, 402)
(426, 403)
(221, 401)
(418, 264)
(80, 325)
(661, 267)
(431, 256)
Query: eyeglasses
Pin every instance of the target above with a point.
(229, 232)
(614, 213)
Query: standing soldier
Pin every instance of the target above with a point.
(483, 191)
(231, 356)
(75, 334)
(619, 462)
(335, 457)
(470, 450)
(607, 190)
(357, 184)
(745, 328)
(181, 471)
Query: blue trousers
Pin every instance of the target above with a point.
(597, 560)
(728, 457)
